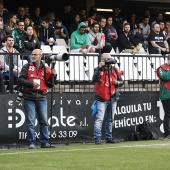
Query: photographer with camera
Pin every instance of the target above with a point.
(36, 78)
(106, 81)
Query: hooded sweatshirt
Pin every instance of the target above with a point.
(78, 39)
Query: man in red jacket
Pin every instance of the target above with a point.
(106, 81)
(36, 78)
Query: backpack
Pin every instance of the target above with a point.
(147, 131)
(135, 136)
(94, 108)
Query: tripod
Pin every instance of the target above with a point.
(109, 70)
(52, 89)
(108, 73)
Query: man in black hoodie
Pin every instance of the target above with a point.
(27, 43)
(46, 34)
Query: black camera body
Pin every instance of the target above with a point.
(110, 61)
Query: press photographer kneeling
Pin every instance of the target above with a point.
(107, 78)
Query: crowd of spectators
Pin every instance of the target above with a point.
(85, 31)
(48, 28)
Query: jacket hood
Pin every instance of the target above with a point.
(5, 50)
(81, 24)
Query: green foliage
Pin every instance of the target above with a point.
(136, 155)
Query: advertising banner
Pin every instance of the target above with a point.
(71, 120)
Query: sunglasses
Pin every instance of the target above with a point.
(82, 30)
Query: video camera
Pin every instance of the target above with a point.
(110, 61)
(59, 57)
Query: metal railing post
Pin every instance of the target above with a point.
(11, 73)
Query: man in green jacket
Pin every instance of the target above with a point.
(79, 41)
(17, 33)
(163, 73)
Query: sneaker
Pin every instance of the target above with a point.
(112, 141)
(167, 137)
(98, 142)
(32, 146)
(47, 146)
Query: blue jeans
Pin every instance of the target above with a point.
(105, 107)
(31, 108)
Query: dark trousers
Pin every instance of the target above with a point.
(156, 50)
(112, 42)
(106, 49)
(15, 78)
(2, 87)
(166, 107)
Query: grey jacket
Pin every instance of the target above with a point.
(5, 60)
(92, 36)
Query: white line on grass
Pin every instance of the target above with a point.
(72, 150)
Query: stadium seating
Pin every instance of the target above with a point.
(46, 49)
(62, 42)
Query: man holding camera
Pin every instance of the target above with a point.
(106, 81)
(36, 78)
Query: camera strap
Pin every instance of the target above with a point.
(45, 79)
(117, 72)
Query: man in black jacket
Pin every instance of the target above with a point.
(46, 34)
(27, 43)
(126, 41)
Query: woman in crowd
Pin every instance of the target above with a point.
(75, 23)
(27, 23)
(111, 33)
(11, 24)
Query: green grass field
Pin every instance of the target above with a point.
(137, 155)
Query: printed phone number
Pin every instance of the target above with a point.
(64, 134)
